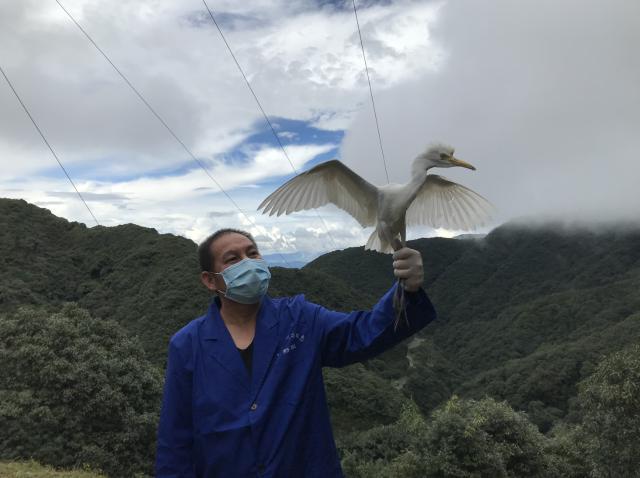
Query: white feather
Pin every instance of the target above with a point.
(329, 182)
(448, 201)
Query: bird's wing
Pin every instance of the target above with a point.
(443, 203)
(328, 182)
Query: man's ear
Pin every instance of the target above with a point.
(207, 279)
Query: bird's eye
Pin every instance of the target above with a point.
(444, 156)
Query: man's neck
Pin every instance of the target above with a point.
(240, 320)
(238, 315)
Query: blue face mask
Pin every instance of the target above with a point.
(247, 281)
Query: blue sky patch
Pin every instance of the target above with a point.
(290, 131)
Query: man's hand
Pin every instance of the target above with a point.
(407, 265)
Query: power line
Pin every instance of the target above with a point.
(255, 97)
(373, 103)
(161, 120)
(26, 110)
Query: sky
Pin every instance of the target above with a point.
(543, 97)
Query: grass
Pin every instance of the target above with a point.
(32, 469)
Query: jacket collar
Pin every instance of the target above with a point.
(219, 344)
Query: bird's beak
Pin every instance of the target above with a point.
(459, 162)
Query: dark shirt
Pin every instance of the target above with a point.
(247, 355)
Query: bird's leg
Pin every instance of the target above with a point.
(399, 298)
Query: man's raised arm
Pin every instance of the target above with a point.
(360, 335)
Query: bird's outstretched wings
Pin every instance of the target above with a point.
(328, 182)
(443, 203)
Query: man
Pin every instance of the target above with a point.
(244, 394)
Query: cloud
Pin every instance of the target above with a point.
(88, 196)
(290, 135)
(541, 96)
(182, 68)
(192, 185)
(215, 214)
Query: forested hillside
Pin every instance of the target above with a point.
(526, 314)
(147, 282)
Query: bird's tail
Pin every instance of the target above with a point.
(375, 244)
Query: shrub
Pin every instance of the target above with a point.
(75, 390)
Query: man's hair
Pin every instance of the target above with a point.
(204, 249)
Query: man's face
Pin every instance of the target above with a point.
(227, 250)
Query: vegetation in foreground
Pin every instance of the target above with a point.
(486, 438)
(76, 391)
(32, 469)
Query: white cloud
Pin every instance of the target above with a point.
(192, 185)
(298, 69)
(264, 163)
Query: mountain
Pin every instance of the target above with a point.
(469, 236)
(525, 312)
(290, 259)
(148, 282)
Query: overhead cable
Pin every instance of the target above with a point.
(264, 114)
(162, 121)
(26, 110)
(373, 103)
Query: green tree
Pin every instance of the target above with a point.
(387, 451)
(567, 451)
(610, 403)
(463, 438)
(360, 399)
(485, 438)
(75, 390)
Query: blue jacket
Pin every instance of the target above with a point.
(217, 421)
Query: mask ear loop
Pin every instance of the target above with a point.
(218, 291)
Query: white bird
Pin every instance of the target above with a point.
(427, 199)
